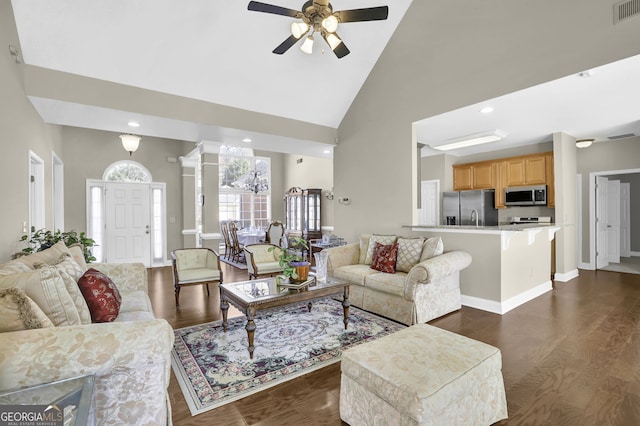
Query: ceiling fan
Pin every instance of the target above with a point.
(317, 16)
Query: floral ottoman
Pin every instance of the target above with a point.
(422, 375)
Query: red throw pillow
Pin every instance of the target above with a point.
(101, 294)
(384, 258)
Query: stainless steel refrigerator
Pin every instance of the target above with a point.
(458, 208)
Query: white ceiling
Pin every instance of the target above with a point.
(218, 51)
(602, 105)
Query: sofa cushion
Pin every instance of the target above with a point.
(48, 256)
(198, 275)
(392, 284)
(101, 294)
(409, 251)
(432, 247)
(46, 287)
(13, 267)
(135, 306)
(19, 312)
(384, 258)
(354, 274)
(385, 240)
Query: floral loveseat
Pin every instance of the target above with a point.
(48, 335)
(423, 284)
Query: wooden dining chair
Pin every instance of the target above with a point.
(195, 266)
(237, 248)
(228, 246)
(275, 232)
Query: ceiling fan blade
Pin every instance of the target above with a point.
(358, 15)
(285, 45)
(257, 6)
(341, 50)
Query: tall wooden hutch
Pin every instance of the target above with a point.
(302, 212)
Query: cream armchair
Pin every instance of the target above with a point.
(262, 261)
(195, 266)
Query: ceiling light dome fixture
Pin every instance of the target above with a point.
(584, 143)
(130, 143)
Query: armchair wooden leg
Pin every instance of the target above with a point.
(177, 295)
(208, 294)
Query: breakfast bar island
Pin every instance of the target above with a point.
(511, 265)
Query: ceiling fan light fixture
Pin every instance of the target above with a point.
(307, 46)
(333, 40)
(298, 29)
(330, 23)
(584, 143)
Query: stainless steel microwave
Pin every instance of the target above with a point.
(526, 196)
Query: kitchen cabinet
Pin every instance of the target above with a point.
(473, 176)
(533, 169)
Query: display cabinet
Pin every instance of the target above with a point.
(302, 212)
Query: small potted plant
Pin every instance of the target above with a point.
(294, 267)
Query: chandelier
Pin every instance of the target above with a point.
(256, 183)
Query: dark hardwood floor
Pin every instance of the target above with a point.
(570, 357)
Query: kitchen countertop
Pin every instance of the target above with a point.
(482, 229)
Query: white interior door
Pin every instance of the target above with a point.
(429, 212)
(127, 218)
(625, 219)
(602, 222)
(613, 227)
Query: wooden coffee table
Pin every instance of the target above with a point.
(249, 296)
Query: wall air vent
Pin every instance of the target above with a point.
(623, 136)
(625, 10)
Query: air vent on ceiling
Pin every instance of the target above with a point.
(625, 10)
(623, 136)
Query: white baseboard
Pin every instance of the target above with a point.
(587, 266)
(635, 253)
(567, 276)
(509, 304)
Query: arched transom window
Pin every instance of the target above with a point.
(127, 171)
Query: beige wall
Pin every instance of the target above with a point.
(22, 130)
(564, 161)
(604, 157)
(490, 49)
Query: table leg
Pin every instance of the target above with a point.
(224, 307)
(251, 328)
(345, 305)
(309, 306)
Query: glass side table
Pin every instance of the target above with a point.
(71, 397)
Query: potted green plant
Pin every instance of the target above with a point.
(294, 267)
(43, 239)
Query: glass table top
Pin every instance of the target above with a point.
(267, 288)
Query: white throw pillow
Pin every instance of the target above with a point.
(385, 240)
(409, 252)
(432, 247)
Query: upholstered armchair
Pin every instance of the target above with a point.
(195, 266)
(262, 261)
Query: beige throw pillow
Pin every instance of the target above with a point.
(364, 245)
(409, 252)
(19, 312)
(78, 256)
(385, 240)
(13, 267)
(50, 256)
(432, 247)
(47, 289)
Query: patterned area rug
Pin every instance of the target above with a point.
(213, 367)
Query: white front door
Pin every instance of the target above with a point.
(602, 222)
(613, 227)
(127, 218)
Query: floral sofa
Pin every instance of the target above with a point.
(422, 284)
(48, 335)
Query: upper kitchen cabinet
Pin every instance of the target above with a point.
(534, 169)
(529, 170)
(473, 176)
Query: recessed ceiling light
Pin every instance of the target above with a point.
(586, 74)
(327, 151)
(486, 110)
(246, 140)
(133, 124)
